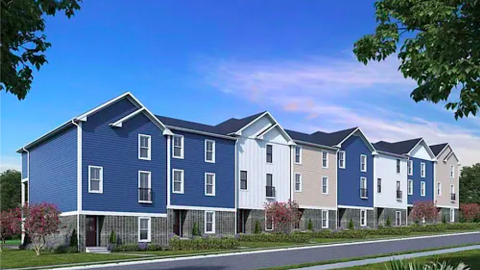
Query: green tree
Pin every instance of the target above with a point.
(439, 48)
(10, 189)
(469, 184)
(23, 41)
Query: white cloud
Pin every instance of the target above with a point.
(10, 162)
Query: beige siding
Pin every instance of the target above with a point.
(312, 173)
(443, 176)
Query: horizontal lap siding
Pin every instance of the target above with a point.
(24, 165)
(386, 169)
(53, 171)
(443, 176)
(416, 177)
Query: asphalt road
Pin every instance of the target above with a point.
(298, 256)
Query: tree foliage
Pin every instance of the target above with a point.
(424, 210)
(470, 211)
(40, 221)
(10, 224)
(10, 189)
(23, 41)
(437, 45)
(469, 184)
(283, 214)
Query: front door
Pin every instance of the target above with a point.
(91, 231)
(177, 222)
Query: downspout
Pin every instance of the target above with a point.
(79, 177)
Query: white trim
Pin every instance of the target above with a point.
(423, 170)
(44, 136)
(213, 184)
(149, 234)
(447, 206)
(327, 219)
(295, 182)
(302, 206)
(452, 214)
(240, 181)
(202, 208)
(325, 166)
(452, 188)
(328, 185)
(366, 162)
(125, 214)
(443, 149)
(366, 217)
(299, 155)
(316, 145)
(181, 191)
(365, 139)
(182, 146)
(25, 180)
(452, 171)
(100, 185)
(236, 185)
(439, 189)
(266, 153)
(213, 151)
(149, 184)
(363, 187)
(201, 132)
(410, 172)
(273, 224)
(429, 151)
(355, 207)
(213, 222)
(423, 192)
(408, 187)
(264, 132)
(400, 219)
(119, 123)
(149, 152)
(168, 170)
(449, 155)
(282, 131)
(344, 159)
(336, 192)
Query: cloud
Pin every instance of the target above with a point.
(333, 94)
(10, 163)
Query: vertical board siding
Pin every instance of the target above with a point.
(194, 166)
(443, 176)
(116, 150)
(24, 165)
(386, 169)
(416, 177)
(53, 171)
(349, 178)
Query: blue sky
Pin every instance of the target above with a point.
(210, 60)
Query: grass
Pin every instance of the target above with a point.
(14, 242)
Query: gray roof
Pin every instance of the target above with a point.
(322, 138)
(436, 149)
(401, 148)
(234, 124)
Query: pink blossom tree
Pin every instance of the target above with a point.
(470, 211)
(10, 224)
(424, 210)
(283, 214)
(40, 221)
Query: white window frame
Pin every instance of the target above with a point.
(182, 147)
(423, 170)
(363, 224)
(149, 149)
(325, 159)
(364, 187)
(149, 183)
(452, 214)
(100, 185)
(323, 178)
(398, 218)
(340, 154)
(182, 183)
(213, 184)
(240, 179)
(273, 224)
(149, 234)
(379, 181)
(410, 187)
(299, 183)
(398, 166)
(452, 171)
(362, 156)
(299, 154)
(452, 190)
(213, 221)
(410, 167)
(213, 151)
(423, 188)
(266, 153)
(326, 219)
(439, 189)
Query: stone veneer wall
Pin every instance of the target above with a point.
(446, 212)
(383, 214)
(67, 225)
(224, 222)
(345, 214)
(316, 216)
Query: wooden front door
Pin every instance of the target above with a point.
(91, 231)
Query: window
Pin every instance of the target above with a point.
(177, 181)
(410, 167)
(298, 155)
(178, 146)
(410, 187)
(363, 218)
(144, 229)
(298, 182)
(324, 159)
(398, 218)
(325, 185)
(439, 189)
(363, 188)
(398, 165)
(209, 222)
(452, 171)
(399, 191)
(95, 179)
(422, 189)
(452, 193)
(379, 185)
(363, 163)
(452, 215)
(210, 151)
(268, 222)
(270, 189)
(269, 153)
(210, 184)
(341, 160)
(422, 170)
(144, 149)
(243, 180)
(144, 187)
(325, 219)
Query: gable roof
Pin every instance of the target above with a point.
(184, 125)
(400, 148)
(438, 148)
(233, 124)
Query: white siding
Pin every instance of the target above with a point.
(386, 169)
(421, 152)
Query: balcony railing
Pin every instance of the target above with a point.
(399, 194)
(453, 197)
(145, 195)
(270, 192)
(363, 193)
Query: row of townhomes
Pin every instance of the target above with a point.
(119, 167)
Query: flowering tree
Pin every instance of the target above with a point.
(41, 220)
(424, 210)
(10, 224)
(470, 211)
(283, 214)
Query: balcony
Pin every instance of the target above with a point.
(145, 195)
(363, 193)
(453, 197)
(270, 192)
(399, 195)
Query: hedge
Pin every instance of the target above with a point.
(352, 234)
(276, 237)
(462, 226)
(136, 247)
(203, 243)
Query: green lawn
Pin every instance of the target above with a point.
(14, 242)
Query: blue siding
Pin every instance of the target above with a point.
(53, 171)
(429, 191)
(349, 178)
(116, 150)
(24, 165)
(195, 167)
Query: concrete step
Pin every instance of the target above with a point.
(101, 250)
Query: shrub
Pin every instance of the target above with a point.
(258, 228)
(353, 234)
(195, 230)
(470, 211)
(40, 221)
(351, 225)
(389, 222)
(203, 243)
(462, 226)
(129, 247)
(444, 219)
(155, 247)
(113, 238)
(276, 237)
(310, 225)
(424, 210)
(428, 228)
(63, 249)
(283, 214)
(74, 240)
(389, 231)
